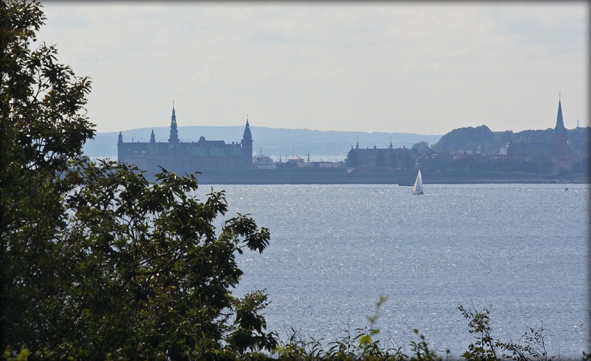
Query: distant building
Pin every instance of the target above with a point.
(262, 161)
(371, 158)
(295, 159)
(180, 157)
(557, 148)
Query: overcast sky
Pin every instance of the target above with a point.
(423, 68)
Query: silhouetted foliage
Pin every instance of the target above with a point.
(578, 140)
(543, 161)
(467, 139)
(97, 262)
(352, 159)
(581, 165)
(534, 136)
(421, 147)
(482, 140)
(42, 126)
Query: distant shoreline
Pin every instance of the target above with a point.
(399, 178)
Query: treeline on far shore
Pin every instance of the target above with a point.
(469, 169)
(539, 166)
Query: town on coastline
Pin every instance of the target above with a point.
(464, 155)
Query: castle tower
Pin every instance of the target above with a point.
(559, 137)
(119, 146)
(247, 145)
(174, 133)
(152, 146)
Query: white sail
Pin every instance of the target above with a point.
(418, 187)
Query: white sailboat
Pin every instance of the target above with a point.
(418, 187)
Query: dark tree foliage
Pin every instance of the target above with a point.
(96, 262)
(474, 139)
(421, 147)
(543, 161)
(503, 138)
(352, 159)
(534, 136)
(42, 127)
(145, 271)
(579, 140)
(582, 165)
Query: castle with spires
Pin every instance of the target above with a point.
(206, 156)
(558, 148)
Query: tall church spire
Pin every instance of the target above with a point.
(247, 145)
(559, 138)
(174, 133)
(559, 121)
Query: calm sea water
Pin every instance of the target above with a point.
(519, 250)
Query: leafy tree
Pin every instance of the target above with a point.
(579, 140)
(151, 276)
(95, 260)
(352, 159)
(421, 147)
(534, 136)
(485, 346)
(461, 138)
(581, 165)
(500, 140)
(543, 161)
(42, 127)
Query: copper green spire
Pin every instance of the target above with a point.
(559, 121)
